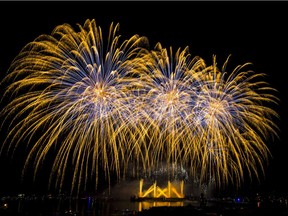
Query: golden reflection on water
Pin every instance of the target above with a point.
(148, 204)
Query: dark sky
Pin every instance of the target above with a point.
(251, 31)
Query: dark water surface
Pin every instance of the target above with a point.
(90, 206)
(80, 207)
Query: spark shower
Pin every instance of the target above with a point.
(116, 107)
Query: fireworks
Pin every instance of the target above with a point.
(104, 108)
(203, 118)
(78, 90)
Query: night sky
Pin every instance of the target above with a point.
(251, 31)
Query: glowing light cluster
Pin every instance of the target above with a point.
(104, 105)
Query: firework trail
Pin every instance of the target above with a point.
(166, 89)
(108, 105)
(233, 119)
(198, 117)
(78, 92)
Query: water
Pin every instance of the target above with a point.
(79, 207)
(90, 206)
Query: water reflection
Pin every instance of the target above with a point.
(146, 205)
(80, 207)
(91, 206)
